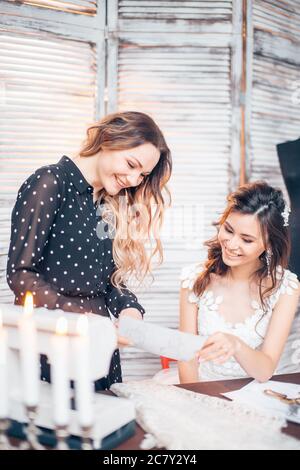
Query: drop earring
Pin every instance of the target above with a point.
(268, 257)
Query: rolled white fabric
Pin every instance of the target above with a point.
(161, 341)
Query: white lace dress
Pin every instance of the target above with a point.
(252, 331)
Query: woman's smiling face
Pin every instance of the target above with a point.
(119, 169)
(241, 239)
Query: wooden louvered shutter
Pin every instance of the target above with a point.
(81, 7)
(273, 100)
(177, 61)
(52, 87)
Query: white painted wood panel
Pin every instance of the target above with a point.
(183, 79)
(275, 115)
(179, 61)
(81, 7)
(51, 82)
(273, 101)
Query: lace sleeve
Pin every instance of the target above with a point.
(189, 275)
(288, 284)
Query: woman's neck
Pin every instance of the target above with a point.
(89, 168)
(243, 273)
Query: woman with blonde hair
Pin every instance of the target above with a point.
(80, 226)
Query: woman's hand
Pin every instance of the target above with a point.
(129, 312)
(122, 341)
(219, 348)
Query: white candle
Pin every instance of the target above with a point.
(84, 387)
(30, 365)
(60, 373)
(4, 413)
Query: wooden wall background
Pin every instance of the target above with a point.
(221, 78)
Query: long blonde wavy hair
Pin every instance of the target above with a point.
(145, 203)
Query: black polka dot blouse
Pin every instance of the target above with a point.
(58, 252)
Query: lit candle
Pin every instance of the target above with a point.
(60, 373)
(84, 387)
(30, 366)
(3, 371)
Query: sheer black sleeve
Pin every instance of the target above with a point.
(38, 203)
(117, 301)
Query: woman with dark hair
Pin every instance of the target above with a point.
(243, 298)
(67, 214)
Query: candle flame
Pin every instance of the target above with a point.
(82, 326)
(28, 304)
(61, 326)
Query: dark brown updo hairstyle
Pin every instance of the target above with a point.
(267, 203)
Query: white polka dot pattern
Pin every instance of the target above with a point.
(54, 248)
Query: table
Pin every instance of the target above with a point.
(215, 389)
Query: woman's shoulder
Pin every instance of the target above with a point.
(50, 171)
(288, 281)
(45, 180)
(287, 284)
(189, 274)
(38, 177)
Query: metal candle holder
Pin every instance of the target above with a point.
(4, 442)
(86, 440)
(32, 431)
(61, 437)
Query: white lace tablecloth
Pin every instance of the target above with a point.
(178, 419)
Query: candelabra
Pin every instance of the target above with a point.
(71, 352)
